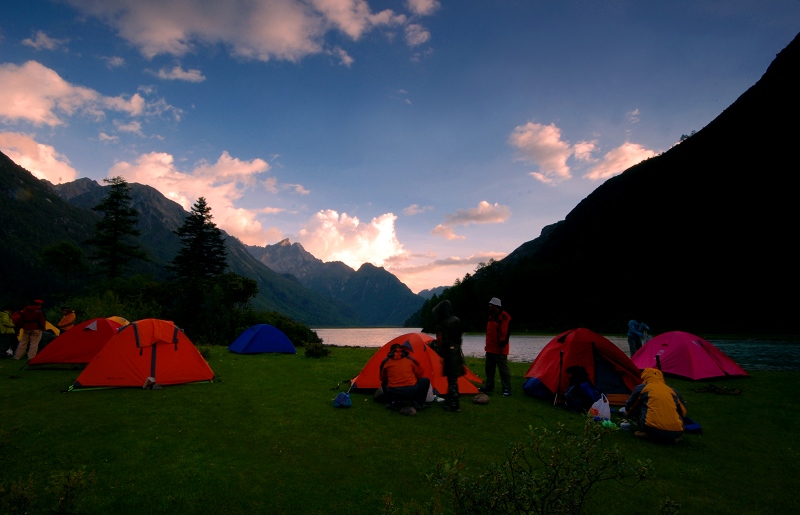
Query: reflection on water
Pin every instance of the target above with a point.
(748, 354)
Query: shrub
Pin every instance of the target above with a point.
(317, 350)
(553, 473)
(67, 486)
(18, 497)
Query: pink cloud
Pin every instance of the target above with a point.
(485, 213)
(41, 160)
(541, 145)
(618, 160)
(333, 237)
(222, 183)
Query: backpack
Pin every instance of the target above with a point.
(16, 318)
(342, 400)
(580, 397)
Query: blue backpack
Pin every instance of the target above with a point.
(342, 400)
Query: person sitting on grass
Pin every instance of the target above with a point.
(656, 408)
(402, 379)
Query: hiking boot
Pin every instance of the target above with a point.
(506, 393)
(408, 411)
(640, 434)
(484, 390)
(452, 409)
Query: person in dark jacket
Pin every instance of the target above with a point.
(636, 334)
(33, 324)
(448, 343)
(656, 408)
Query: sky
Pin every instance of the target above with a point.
(424, 136)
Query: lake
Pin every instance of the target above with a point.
(748, 354)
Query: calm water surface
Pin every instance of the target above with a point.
(748, 354)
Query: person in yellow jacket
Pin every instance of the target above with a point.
(657, 408)
(8, 334)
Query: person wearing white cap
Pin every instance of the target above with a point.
(497, 335)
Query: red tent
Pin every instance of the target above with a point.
(79, 344)
(431, 363)
(609, 368)
(686, 355)
(146, 348)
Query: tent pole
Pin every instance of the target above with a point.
(558, 388)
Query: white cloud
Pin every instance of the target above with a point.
(415, 209)
(178, 73)
(41, 160)
(114, 62)
(485, 213)
(618, 160)
(633, 116)
(436, 272)
(36, 94)
(416, 34)
(344, 57)
(133, 127)
(253, 29)
(333, 237)
(107, 138)
(222, 183)
(42, 41)
(423, 7)
(541, 145)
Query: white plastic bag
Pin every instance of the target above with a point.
(601, 408)
(430, 397)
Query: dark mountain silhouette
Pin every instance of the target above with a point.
(428, 293)
(35, 214)
(700, 238)
(377, 296)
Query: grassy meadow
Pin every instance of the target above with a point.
(264, 437)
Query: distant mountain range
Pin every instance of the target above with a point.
(701, 238)
(376, 295)
(35, 214)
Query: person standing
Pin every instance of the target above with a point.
(67, 319)
(448, 343)
(33, 324)
(636, 332)
(497, 336)
(8, 334)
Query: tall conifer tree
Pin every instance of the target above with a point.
(202, 253)
(113, 240)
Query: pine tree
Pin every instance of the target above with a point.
(202, 253)
(113, 234)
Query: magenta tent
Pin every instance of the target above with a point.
(686, 355)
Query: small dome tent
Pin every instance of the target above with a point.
(431, 363)
(262, 338)
(685, 355)
(610, 370)
(78, 345)
(144, 349)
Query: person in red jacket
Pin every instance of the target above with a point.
(402, 378)
(497, 335)
(33, 324)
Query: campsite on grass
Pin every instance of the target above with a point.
(264, 437)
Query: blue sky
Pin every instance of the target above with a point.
(424, 136)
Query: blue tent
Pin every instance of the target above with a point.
(262, 338)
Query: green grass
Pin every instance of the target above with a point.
(265, 438)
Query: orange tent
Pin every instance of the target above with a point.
(146, 348)
(119, 320)
(610, 369)
(78, 345)
(431, 363)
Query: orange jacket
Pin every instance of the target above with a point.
(398, 371)
(67, 321)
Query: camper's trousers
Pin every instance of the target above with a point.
(635, 343)
(452, 398)
(8, 341)
(415, 393)
(29, 337)
(500, 361)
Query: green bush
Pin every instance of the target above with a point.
(554, 473)
(317, 350)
